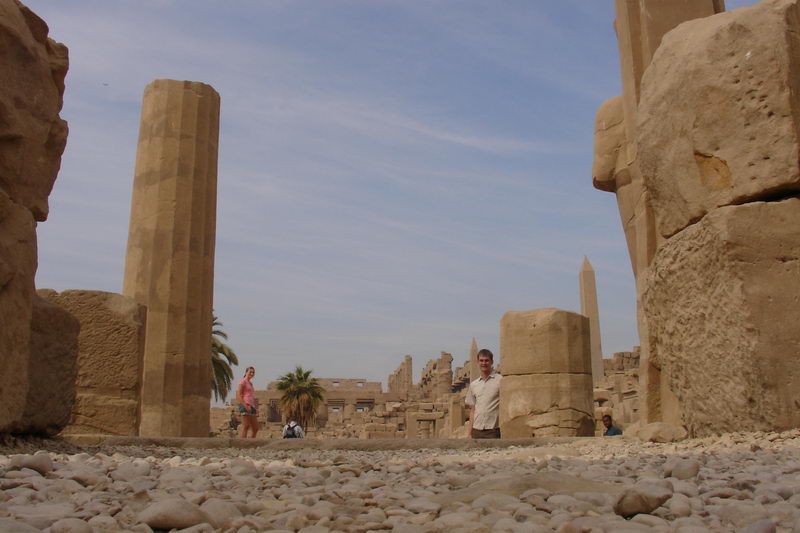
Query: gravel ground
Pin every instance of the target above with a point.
(736, 482)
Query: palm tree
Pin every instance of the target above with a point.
(301, 395)
(222, 357)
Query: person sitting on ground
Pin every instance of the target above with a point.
(292, 430)
(233, 424)
(611, 429)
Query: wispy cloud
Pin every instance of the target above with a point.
(393, 176)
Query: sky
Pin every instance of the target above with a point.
(394, 175)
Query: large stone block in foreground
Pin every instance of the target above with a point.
(723, 306)
(544, 405)
(544, 341)
(547, 374)
(17, 271)
(32, 138)
(109, 360)
(32, 135)
(169, 266)
(717, 118)
(52, 367)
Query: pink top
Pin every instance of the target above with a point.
(247, 391)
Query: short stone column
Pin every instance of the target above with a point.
(547, 374)
(169, 266)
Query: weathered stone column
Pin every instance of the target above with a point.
(589, 308)
(547, 374)
(444, 376)
(170, 259)
(474, 371)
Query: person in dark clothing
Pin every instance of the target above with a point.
(611, 429)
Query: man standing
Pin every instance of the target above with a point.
(483, 397)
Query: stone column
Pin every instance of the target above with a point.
(474, 371)
(170, 259)
(547, 374)
(407, 379)
(444, 376)
(589, 308)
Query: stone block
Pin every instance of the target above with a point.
(380, 434)
(717, 118)
(544, 341)
(32, 135)
(722, 307)
(427, 416)
(17, 272)
(426, 407)
(546, 404)
(601, 395)
(104, 414)
(609, 143)
(52, 368)
(109, 359)
(32, 139)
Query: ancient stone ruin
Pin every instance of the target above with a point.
(34, 335)
(547, 374)
(109, 377)
(169, 266)
(701, 151)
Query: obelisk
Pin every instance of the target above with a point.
(169, 266)
(589, 309)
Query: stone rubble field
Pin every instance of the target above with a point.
(738, 482)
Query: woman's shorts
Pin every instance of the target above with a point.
(247, 410)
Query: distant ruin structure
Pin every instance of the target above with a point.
(547, 374)
(401, 380)
(588, 290)
(701, 151)
(169, 265)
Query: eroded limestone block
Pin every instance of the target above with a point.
(609, 144)
(109, 360)
(546, 404)
(717, 116)
(32, 135)
(52, 367)
(723, 303)
(17, 271)
(32, 138)
(545, 341)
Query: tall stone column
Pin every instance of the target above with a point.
(169, 265)
(589, 308)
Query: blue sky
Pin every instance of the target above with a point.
(394, 175)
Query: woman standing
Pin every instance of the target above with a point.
(247, 405)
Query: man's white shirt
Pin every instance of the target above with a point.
(484, 396)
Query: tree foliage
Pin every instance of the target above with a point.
(222, 359)
(302, 394)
